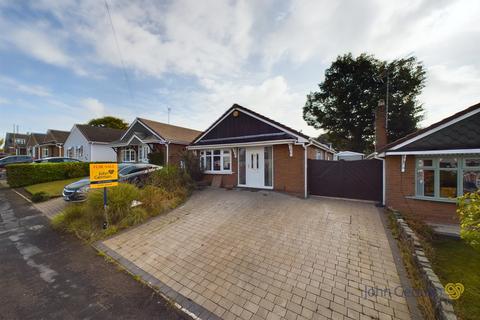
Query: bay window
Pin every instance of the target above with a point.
(216, 161)
(444, 178)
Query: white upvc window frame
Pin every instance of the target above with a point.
(460, 170)
(45, 152)
(130, 151)
(143, 151)
(210, 155)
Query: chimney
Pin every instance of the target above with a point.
(380, 126)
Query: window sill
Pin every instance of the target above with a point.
(444, 200)
(218, 172)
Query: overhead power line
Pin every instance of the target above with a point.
(124, 69)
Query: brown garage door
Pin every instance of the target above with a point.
(360, 179)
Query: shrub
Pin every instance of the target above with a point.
(157, 158)
(40, 197)
(154, 199)
(120, 201)
(170, 178)
(469, 212)
(191, 164)
(19, 175)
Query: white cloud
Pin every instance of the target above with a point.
(272, 97)
(95, 107)
(450, 90)
(30, 89)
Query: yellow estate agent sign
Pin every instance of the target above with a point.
(103, 175)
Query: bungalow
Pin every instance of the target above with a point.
(52, 144)
(427, 170)
(33, 141)
(90, 144)
(15, 143)
(246, 149)
(145, 136)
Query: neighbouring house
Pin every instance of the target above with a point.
(33, 142)
(15, 143)
(52, 144)
(349, 155)
(90, 144)
(145, 136)
(246, 149)
(427, 170)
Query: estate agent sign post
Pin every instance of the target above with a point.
(104, 175)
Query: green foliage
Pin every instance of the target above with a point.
(108, 122)
(345, 104)
(191, 164)
(456, 261)
(170, 178)
(86, 219)
(469, 212)
(19, 175)
(120, 201)
(157, 158)
(40, 197)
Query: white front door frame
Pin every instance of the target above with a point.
(254, 169)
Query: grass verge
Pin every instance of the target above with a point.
(456, 261)
(167, 189)
(453, 261)
(52, 188)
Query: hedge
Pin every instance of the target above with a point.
(20, 175)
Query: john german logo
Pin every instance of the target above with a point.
(453, 290)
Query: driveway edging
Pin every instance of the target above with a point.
(192, 309)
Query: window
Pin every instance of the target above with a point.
(79, 152)
(128, 155)
(268, 167)
(143, 152)
(71, 152)
(217, 160)
(44, 152)
(319, 155)
(447, 177)
(242, 155)
(19, 141)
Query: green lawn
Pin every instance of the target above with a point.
(455, 261)
(53, 188)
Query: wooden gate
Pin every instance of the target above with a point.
(360, 179)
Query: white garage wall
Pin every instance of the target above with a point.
(76, 139)
(100, 152)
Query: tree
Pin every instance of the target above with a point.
(108, 122)
(469, 212)
(1, 144)
(345, 104)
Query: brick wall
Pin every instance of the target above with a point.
(401, 185)
(175, 153)
(289, 172)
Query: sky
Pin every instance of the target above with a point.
(64, 62)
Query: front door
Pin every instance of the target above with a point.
(254, 167)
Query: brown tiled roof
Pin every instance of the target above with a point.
(36, 138)
(433, 126)
(171, 133)
(99, 134)
(55, 136)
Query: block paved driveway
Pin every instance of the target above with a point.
(265, 255)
